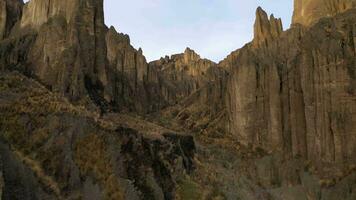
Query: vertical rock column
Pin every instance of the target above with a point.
(10, 13)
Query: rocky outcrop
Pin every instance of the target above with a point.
(128, 74)
(297, 94)
(38, 12)
(204, 111)
(68, 53)
(266, 29)
(10, 13)
(308, 12)
(180, 75)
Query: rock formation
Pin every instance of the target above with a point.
(128, 74)
(283, 96)
(266, 29)
(67, 51)
(308, 12)
(11, 11)
(179, 75)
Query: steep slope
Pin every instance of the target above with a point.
(51, 149)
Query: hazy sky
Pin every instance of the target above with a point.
(213, 28)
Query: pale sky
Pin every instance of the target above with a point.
(213, 28)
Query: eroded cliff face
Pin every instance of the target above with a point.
(66, 46)
(38, 12)
(297, 94)
(67, 49)
(179, 75)
(11, 11)
(308, 12)
(128, 71)
(266, 29)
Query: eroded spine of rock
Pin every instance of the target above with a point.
(265, 30)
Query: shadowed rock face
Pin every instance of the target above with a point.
(308, 12)
(11, 11)
(128, 74)
(180, 75)
(297, 94)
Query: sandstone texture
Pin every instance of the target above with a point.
(266, 29)
(11, 11)
(179, 75)
(308, 12)
(296, 94)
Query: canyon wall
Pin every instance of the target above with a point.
(296, 93)
(11, 11)
(67, 47)
(179, 75)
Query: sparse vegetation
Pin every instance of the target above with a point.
(91, 157)
(188, 190)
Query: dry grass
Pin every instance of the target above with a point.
(23, 123)
(91, 156)
(188, 190)
(44, 179)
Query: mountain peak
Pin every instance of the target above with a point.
(266, 28)
(190, 55)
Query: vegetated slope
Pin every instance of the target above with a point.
(51, 149)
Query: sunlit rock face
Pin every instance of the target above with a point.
(308, 12)
(38, 12)
(297, 94)
(67, 52)
(266, 29)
